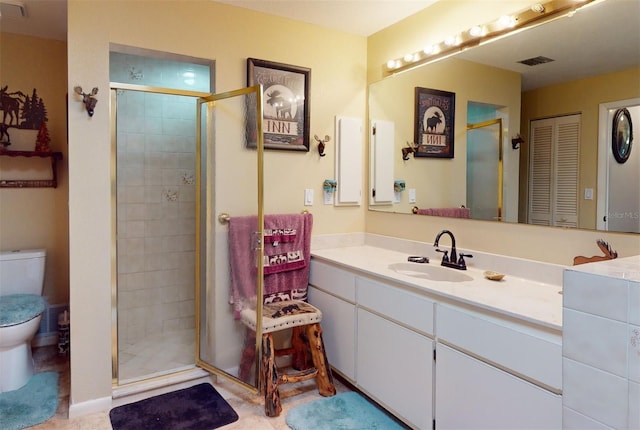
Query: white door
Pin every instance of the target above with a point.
(619, 183)
(395, 366)
(471, 394)
(339, 331)
(381, 169)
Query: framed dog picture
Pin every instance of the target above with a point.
(285, 103)
(434, 123)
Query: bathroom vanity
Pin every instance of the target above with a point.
(443, 350)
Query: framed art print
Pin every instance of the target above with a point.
(285, 103)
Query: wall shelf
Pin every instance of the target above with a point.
(32, 183)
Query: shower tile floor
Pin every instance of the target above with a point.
(156, 355)
(248, 406)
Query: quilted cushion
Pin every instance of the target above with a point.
(281, 315)
(18, 308)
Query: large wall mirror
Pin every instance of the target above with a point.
(527, 129)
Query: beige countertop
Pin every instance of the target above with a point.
(514, 296)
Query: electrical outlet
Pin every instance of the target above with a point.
(328, 197)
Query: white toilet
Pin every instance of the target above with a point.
(21, 307)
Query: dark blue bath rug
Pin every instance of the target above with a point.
(194, 408)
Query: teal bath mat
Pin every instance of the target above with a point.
(32, 404)
(345, 411)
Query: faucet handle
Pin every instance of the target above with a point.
(461, 261)
(445, 257)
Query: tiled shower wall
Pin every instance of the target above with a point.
(156, 214)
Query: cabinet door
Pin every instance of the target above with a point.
(471, 394)
(338, 331)
(395, 367)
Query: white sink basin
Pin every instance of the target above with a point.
(433, 273)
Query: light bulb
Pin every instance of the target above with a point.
(476, 31)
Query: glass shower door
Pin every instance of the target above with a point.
(230, 181)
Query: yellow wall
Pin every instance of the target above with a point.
(38, 217)
(341, 66)
(581, 96)
(539, 243)
(201, 29)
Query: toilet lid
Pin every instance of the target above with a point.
(18, 308)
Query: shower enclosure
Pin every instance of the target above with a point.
(176, 154)
(156, 232)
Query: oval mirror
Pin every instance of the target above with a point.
(622, 137)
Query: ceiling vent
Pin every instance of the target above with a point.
(536, 60)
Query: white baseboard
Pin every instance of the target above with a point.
(145, 389)
(89, 407)
(140, 391)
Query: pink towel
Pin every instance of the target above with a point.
(448, 212)
(287, 251)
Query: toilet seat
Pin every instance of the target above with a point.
(19, 308)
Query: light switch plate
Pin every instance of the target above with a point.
(588, 193)
(412, 195)
(308, 197)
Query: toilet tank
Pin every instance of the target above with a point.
(22, 271)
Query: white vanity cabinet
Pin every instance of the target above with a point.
(333, 291)
(502, 374)
(395, 350)
(431, 359)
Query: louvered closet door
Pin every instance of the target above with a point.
(553, 184)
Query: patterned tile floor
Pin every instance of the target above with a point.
(249, 407)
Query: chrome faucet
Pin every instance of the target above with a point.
(451, 260)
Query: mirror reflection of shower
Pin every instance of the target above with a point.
(484, 162)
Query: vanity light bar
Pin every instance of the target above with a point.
(480, 34)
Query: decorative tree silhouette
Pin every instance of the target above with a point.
(43, 140)
(33, 112)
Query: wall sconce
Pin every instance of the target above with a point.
(321, 143)
(516, 141)
(410, 149)
(88, 99)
